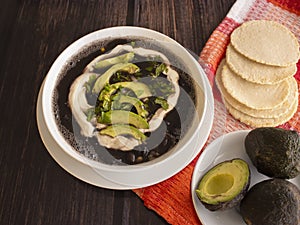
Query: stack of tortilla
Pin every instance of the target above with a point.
(256, 78)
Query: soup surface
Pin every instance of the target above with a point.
(140, 111)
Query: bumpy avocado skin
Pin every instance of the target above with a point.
(272, 202)
(275, 152)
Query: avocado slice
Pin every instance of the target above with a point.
(138, 104)
(140, 89)
(224, 185)
(122, 129)
(123, 117)
(273, 202)
(124, 58)
(275, 152)
(104, 78)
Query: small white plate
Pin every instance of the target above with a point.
(226, 147)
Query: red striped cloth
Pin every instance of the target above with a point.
(171, 199)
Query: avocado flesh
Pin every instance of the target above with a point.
(138, 104)
(140, 89)
(122, 129)
(272, 202)
(223, 186)
(123, 117)
(124, 58)
(104, 78)
(275, 152)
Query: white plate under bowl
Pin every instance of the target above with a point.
(226, 147)
(72, 166)
(130, 176)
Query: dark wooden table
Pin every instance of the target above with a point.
(34, 189)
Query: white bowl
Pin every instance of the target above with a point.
(128, 176)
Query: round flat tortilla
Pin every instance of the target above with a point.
(255, 96)
(262, 122)
(257, 72)
(265, 113)
(266, 42)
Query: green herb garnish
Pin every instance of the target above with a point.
(161, 68)
(160, 101)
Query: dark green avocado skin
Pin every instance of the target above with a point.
(229, 204)
(272, 202)
(275, 152)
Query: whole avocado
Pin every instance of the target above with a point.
(275, 152)
(272, 202)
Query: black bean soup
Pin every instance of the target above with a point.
(158, 142)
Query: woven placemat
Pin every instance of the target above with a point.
(172, 199)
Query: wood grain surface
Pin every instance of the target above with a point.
(34, 189)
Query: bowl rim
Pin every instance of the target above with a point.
(67, 53)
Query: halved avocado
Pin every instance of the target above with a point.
(123, 117)
(122, 129)
(224, 185)
(272, 202)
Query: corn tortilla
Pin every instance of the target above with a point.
(262, 122)
(265, 113)
(266, 42)
(257, 72)
(255, 96)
